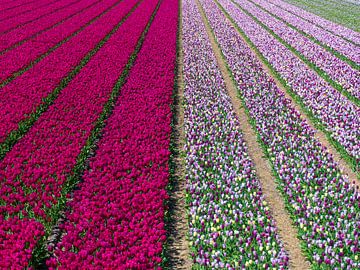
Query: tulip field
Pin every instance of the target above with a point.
(191, 134)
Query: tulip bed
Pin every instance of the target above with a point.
(338, 114)
(330, 26)
(91, 117)
(38, 86)
(230, 226)
(336, 69)
(348, 49)
(323, 204)
(37, 174)
(117, 214)
(33, 18)
(28, 51)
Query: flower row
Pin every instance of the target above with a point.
(338, 70)
(21, 9)
(116, 216)
(322, 203)
(36, 170)
(338, 114)
(230, 226)
(22, 96)
(326, 24)
(338, 44)
(10, 5)
(27, 52)
(32, 18)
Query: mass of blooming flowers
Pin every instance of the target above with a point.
(337, 43)
(339, 115)
(322, 203)
(22, 96)
(34, 17)
(330, 26)
(27, 47)
(230, 226)
(116, 216)
(33, 173)
(337, 69)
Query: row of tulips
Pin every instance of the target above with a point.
(21, 34)
(116, 216)
(32, 18)
(23, 9)
(344, 47)
(230, 226)
(322, 203)
(23, 96)
(325, 24)
(37, 173)
(339, 115)
(39, 46)
(338, 70)
(10, 5)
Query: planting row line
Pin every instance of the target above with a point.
(330, 26)
(41, 169)
(322, 203)
(340, 117)
(21, 58)
(230, 226)
(116, 217)
(344, 47)
(22, 10)
(24, 98)
(339, 71)
(32, 18)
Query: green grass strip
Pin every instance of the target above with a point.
(25, 125)
(40, 253)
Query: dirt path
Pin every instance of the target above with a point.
(287, 232)
(178, 246)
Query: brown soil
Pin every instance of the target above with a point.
(178, 246)
(287, 232)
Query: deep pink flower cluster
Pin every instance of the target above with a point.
(117, 214)
(18, 237)
(21, 97)
(23, 55)
(33, 18)
(8, 11)
(10, 5)
(34, 171)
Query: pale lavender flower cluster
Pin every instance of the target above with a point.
(339, 115)
(323, 205)
(326, 24)
(342, 46)
(338, 70)
(230, 225)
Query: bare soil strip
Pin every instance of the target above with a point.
(178, 246)
(287, 232)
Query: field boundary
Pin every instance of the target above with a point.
(177, 253)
